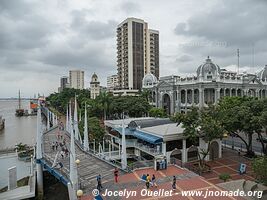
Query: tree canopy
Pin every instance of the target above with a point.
(243, 117)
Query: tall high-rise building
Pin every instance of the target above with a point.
(137, 53)
(64, 83)
(77, 79)
(153, 53)
(112, 82)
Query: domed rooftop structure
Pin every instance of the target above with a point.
(149, 80)
(263, 74)
(208, 70)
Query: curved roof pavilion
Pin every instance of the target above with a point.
(152, 130)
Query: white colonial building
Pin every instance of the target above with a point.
(178, 94)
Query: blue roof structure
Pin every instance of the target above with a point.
(141, 135)
(147, 137)
(127, 131)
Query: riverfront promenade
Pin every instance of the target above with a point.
(88, 168)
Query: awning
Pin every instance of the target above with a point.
(147, 137)
(127, 131)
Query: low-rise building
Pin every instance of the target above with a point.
(149, 138)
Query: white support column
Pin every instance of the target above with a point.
(186, 100)
(73, 166)
(53, 120)
(48, 120)
(85, 135)
(164, 148)
(184, 153)
(71, 192)
(201, 102)
(123, 146)
(67, 120)
(40, 186)
(193, 94)
(76, 128)
(220, 148)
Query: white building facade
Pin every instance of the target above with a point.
(112, 82)
(178, 94)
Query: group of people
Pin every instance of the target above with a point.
(152, 181)
(148, 180)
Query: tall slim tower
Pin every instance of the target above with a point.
(137, 53)
(94, 86)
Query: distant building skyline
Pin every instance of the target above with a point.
(112, 82)
(64, 83)
(76, 78)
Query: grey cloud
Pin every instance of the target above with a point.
(94, 29)
(237, 22)
(130, 7)
(223, 28)
(185, 58)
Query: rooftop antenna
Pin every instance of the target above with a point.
(19, 100)
(238, 55)
(253, 56)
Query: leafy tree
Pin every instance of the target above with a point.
(105, 99)
(146, 94)
(243, 116)
(96, 129)
(61, 100)
(259, 167)
(157, 112)
(203, 124)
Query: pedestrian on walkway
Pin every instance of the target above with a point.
(99, 183)
(56, 145)
(66, 152)
(116, 174)
(147, 181)
(53, 146)
(174, 183)
(62, 154)
(153, 181)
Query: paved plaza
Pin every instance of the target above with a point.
(186, 180)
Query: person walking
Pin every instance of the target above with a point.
(174, 183)
(56, 145)
(62, 154)
(53, 146)
(147, 181)
(116, 175)
(99, 184)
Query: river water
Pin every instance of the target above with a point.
(17, 129)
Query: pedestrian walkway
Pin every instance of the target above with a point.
(185, 181)
(88, 168)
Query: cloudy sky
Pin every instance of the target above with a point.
(41, 40)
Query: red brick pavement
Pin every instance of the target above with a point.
(194, 183)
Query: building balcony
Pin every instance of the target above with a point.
(154, 151)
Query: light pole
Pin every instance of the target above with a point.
(79, 194)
